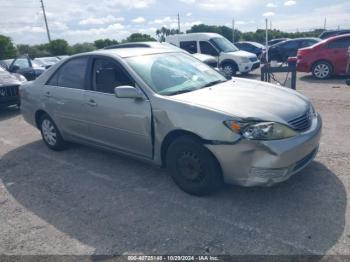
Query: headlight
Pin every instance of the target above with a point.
(21, 78)
(312, 111)
(261, 130)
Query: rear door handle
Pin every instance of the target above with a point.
(48, 94)
(92, 103)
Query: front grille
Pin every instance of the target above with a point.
(301, 123)
(8, 91)
(253, 59)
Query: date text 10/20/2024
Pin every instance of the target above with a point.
(173, 258)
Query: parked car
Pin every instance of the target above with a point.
(329, 57)
(230, 58)
(9, 84)
(6, 63)
(331, 33)
(26, 67)
(281, 51)
(276, 41)
(170, 109)
(46, 62)
(61, 57)
(207, 59)
(251, 47)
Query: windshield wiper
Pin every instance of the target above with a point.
(180, 92)
(213, 83)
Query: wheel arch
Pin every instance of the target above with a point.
(229, 61)
(173, 135)
(322, 60)
(38, 116)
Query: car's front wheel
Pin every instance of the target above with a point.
(192, 166)
(51, 134)
(229, 69)
(322, 70)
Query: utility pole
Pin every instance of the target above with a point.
(46, 24)
(270, 25)
(325, 23)
(178, 23)
(267, 40)
(233, 30)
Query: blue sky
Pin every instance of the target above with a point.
(86, 20)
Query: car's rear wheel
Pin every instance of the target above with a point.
(50, 134)
(322, 70)
(193, 168)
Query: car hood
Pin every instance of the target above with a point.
(7, 79)
(242, 53)
(249, 99)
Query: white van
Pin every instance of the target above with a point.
(230, 58)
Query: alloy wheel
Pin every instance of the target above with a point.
(49, 132)
(321, 71)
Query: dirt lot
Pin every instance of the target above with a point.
(84, 201)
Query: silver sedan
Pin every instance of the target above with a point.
(169, 109)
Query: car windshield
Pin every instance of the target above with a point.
(174, 73)
(223, 45)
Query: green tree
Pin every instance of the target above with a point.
(82, 48)
(102, 43)
(137, 37)
(58, 47)
(7, 48)
(163, 32)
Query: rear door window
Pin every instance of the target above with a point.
(189, 46)
(340, 43)
(71, 74)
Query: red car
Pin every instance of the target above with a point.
(329, 57)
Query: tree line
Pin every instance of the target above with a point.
(61, 47)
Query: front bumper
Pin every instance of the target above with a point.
(264, 163)
(247, 67)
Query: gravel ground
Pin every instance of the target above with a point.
(85, 201)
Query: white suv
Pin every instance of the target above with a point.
(230, 58)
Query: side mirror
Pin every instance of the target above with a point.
(128, 92)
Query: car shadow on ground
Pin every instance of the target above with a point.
(117, 205)
(9, 112)
(334, 80)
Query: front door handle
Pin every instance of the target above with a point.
(92, 103)
(48, 94)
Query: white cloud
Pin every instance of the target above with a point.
(139, 20)
(189, 14)
(101, 21)
(163, 20)
(268, 14)
(290, 3)
(271, 5)
(215, 5)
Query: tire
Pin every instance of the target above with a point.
(50, 134)
(229, 69)
(192, 167)
(322, 70)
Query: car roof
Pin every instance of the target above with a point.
(130, 52)
(337, 37)
(251, 43)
